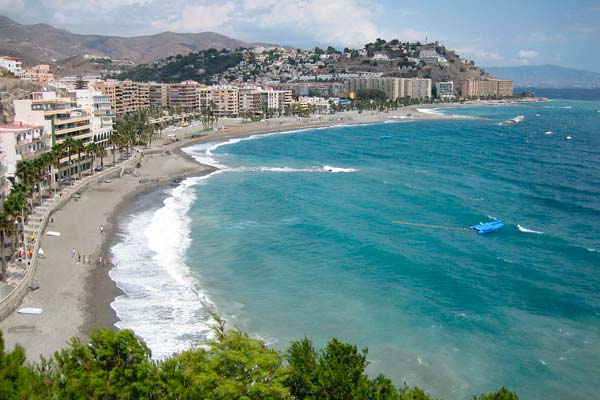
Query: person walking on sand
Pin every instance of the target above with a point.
(101, 229)
(73, 253)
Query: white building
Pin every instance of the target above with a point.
(12, 64)
(421, 88)
(98, 106)
(431, 56)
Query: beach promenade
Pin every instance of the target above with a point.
(76, 296)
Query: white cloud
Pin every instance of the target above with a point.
(524, 57)
(348, 22)
(98, 5)
(529, 54)
(479, 54)
(199, 18)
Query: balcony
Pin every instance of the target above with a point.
(70, 130)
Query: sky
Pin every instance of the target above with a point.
(498, 33)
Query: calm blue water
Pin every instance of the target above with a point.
(282, 248)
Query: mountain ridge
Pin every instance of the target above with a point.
(44, 43)
(548, 76)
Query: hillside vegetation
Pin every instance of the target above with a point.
(117, 365)
(199, 66)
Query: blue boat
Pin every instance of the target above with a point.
(488, 227)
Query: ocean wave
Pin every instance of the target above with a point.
(430, 111)
(162, 300)
(525, 230)
(289, 169)
(559, 107)
(591, 249)
(328, 168)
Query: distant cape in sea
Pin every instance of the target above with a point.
(547, 76)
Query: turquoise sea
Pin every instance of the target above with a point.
(295, 237)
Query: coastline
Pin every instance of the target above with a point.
(77, 299)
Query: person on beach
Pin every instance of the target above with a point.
(101, 229)
(78, 257)
(73, 253)
(90, 259)
(100, 260)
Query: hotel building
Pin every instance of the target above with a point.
(444, 90)
(394, 88)
(62, 118)
(486, 88)
(184, 95)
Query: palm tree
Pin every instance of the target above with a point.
(6, 227)
(79, 147)
(13, 208)
(100, 151)
(68, 145)
(56, 154)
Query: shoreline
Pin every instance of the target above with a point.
(89, 291)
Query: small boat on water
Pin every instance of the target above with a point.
(487, 227)
(568, 138)
(384, 136)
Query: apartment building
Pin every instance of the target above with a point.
(99, 107)
(505, 88)
(486, 88)
(159, 95)
(444, 90)
(125, 96)
(421, 88)
(39, 74)
(19, 141)
(222, 100)
(278, 100)
(393, 88)
(62, 118)
(469, 88)
(184, 95)
(250, 100)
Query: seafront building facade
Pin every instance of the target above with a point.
(394, 88)
(184, 95)
(19, 141)
(62, 119)
(444, 90)
(99, 107)
(486, 88)
(125, 96)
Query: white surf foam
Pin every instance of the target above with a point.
(430, 111)
(525, 230)
(557, 107)
(328, 168)
(162, 300)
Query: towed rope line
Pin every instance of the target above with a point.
(450, 228)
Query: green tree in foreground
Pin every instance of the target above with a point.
(118, 365)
